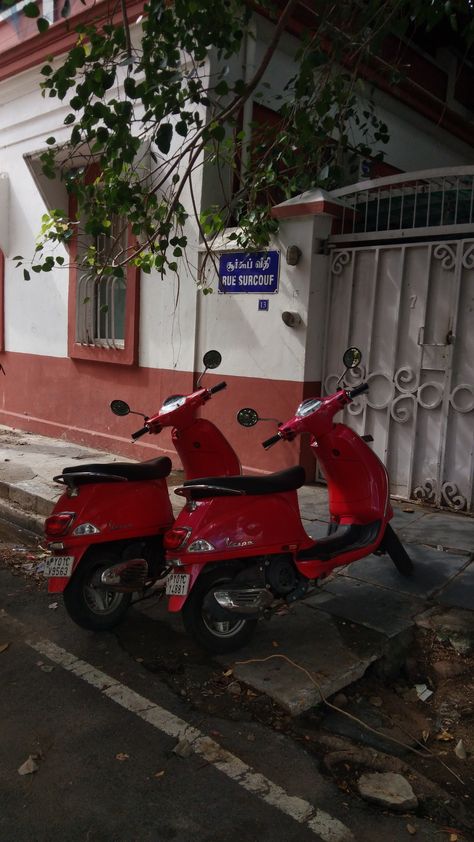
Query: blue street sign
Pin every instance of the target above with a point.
(263, 303)
(253, 272)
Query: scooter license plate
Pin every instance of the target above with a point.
(58, 565)
(177, 584)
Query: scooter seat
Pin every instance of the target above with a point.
(116, 472)
(353, 536)
(288, 480)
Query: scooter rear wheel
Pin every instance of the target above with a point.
(92, 607)
(209, 629)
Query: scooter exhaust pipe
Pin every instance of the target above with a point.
(245, 601)
(126, 577)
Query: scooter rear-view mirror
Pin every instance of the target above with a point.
(247, 417)
(120, 407)
(352, 358)
(210, 360)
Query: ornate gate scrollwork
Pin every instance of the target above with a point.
(450, 494)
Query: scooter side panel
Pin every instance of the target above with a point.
(120, 511)
(242, 526)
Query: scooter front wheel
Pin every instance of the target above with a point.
(203, 620)
(90, 606)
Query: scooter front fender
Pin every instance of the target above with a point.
(175, 603)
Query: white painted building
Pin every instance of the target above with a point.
(59, 384)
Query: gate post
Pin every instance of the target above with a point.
(306, 222)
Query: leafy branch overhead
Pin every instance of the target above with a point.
(153, 102)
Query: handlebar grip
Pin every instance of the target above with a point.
(358, 390)
(218, 387)
(140, 432)
(271, 441)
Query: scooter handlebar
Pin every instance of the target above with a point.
(218, 387)
(140, 432)
(271, 441)
(358, 390)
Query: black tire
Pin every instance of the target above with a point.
(90, 607)
(392, 545)
(214, 634)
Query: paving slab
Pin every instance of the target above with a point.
(316, 529)
(433, 569)
(450, 531)
(380, 609)
(460, 591)
(335, 654)
(313, 502)
(404, 515)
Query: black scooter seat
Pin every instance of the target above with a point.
(116, 472)
(288, 480)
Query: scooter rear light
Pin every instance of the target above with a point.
(57, 525)
(176, 538)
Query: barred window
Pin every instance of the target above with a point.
(101, 299)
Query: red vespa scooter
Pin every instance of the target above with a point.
(106, 530)
(238, 549)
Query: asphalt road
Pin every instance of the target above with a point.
(103, 730)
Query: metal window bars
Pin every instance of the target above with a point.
(100, 306)
(420, 202)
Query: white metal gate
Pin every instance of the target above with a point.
(409, 306)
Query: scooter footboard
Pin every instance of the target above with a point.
(349, 538)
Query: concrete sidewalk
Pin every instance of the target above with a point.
(357, 616)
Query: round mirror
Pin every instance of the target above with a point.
(352, 357)
(247, 417)
(212, 359)
(120, 407)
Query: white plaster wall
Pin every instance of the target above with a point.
(415, 142)
(35, 310)
(252, 342)
(257, 343)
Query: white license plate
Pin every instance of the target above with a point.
(58, 565)
(177, 584)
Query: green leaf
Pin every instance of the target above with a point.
(31, 10)
(163, 137)
(42, 24)
(26, 275)
(181, 128)
(50, 141)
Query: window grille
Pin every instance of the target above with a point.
(100, 310)
(428, 200)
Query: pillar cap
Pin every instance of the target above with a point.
(311, 203)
